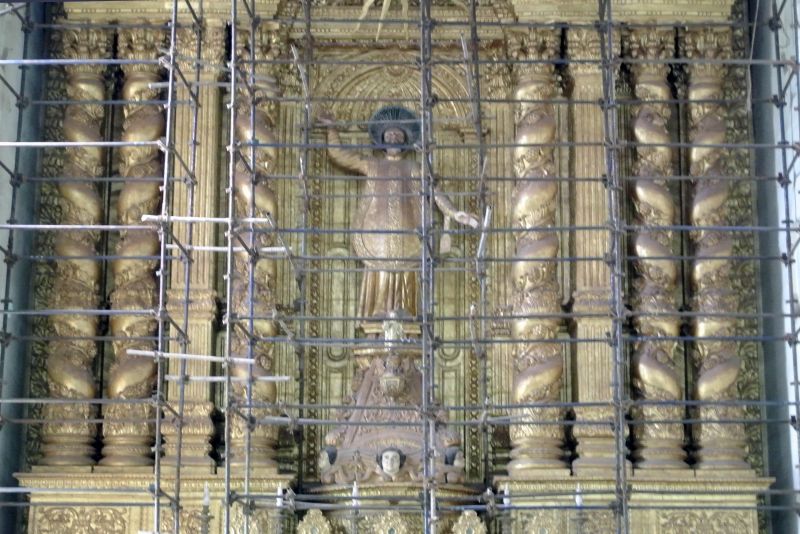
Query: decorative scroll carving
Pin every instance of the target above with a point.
(707, 521)
(721, 444)
(536, 298)
(127, 432)
(252, 288)
(656, 377)
(77, 278)
(549, 521)
(80, 520)
(191, 521)
(745, 273)
(259, 522)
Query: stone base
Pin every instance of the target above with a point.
(124, 502)
(675, 502)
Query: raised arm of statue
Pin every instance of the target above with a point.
(450, 212)
(348, 159)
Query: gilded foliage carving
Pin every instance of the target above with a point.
(469, 523)
(44, 273)
(259, 522)
(745, 273)
(314, 523)
(191, 521)
(548, 521)
(704, 522)
(80, 520)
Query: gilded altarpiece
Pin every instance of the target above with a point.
(349, 77)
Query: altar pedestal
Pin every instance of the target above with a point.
(660, 502)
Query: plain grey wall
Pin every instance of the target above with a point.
(19, 122)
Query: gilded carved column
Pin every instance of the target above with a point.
(77, 278)
(201, 307)
(536, 297)
(593, 360)
(721, 444)
(128, 435)
(656, 376)
(252, 288)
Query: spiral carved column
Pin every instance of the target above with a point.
(536, 298)
(128, 434)
(77, 279)
(721, 444)
(253, 285)
(655, 374)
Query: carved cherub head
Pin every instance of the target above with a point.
(327, 457)
(391, 460)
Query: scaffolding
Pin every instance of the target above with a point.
(282, 323)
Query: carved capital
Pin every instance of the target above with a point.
(83, 44)
(258, 83)
(140, 44)
(534, 52)
(212, 39)
(709, 47)
(653, 47)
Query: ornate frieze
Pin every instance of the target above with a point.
(82, 520)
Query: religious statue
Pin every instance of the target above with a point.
(388, 213)
(385, 237)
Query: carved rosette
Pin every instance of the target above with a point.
(128, 430)
(536, 299)
(253, 286)
(721, 444)
(77, 278)
(656, 377)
